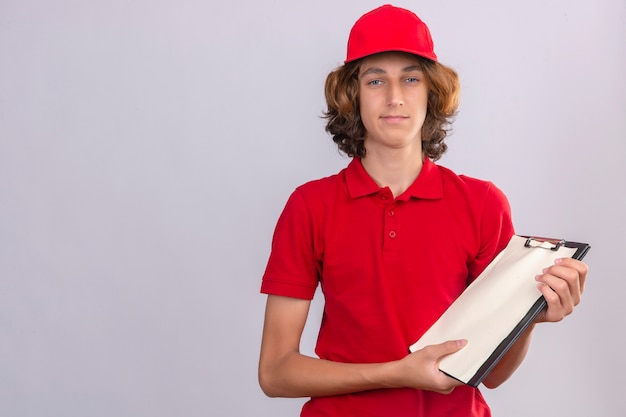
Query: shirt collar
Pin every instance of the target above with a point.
(427, 185)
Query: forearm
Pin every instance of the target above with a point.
(298, 375)
(510, 361)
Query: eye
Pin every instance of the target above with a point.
(412, 80)
(374, 82)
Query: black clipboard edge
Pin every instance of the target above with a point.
(505, 345)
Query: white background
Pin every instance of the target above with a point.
(148, 147)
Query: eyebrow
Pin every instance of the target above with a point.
(376, 70)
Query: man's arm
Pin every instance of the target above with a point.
(562, 285)
(285, 372)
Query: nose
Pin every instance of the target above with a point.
(395, 94)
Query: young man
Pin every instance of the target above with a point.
(392, 239)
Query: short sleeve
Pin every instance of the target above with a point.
(292, 269)
(496, 229)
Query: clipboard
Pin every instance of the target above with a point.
(496, 308)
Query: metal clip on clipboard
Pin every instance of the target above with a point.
(536, 242)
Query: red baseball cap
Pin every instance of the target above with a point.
(389, 28)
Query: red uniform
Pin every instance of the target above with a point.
(388, 268)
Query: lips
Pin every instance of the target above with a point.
(394, 118)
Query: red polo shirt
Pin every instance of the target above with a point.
(388, 268)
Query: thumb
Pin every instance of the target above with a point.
(451, 346)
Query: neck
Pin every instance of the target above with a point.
(396, 170)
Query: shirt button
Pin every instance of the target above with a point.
(383, 197)
(392, 234)
(391, 213)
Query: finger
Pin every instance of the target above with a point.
(580, 267)
(558, 274)
(556, 311)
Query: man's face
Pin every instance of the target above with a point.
(393, 97)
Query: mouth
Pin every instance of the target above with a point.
(394, 118)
